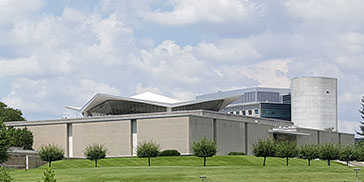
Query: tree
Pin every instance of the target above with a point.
(204, 148)
(95, 152)
(10, 114)
(21, 138)
(147, 149)
(347, 154)
(286, 149)
(4, 143)
(329, 152)
(50, 152)
(49, 175)
(309, 152)
(265, 148)
(362, 116)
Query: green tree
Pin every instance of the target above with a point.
(329, 152)
(362, 116)
(95, 152)
(4, 143)
(50, 152)
(359, 151)
(10, 114)
(265, 148)
(21, 138)
(309, 152)
(147, 149)
(347, 154)
(287, 149)
(204, 148)
(5, 175)
(49, 176)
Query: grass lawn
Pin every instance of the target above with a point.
(188, 169)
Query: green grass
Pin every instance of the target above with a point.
(188, 169)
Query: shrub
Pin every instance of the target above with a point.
(50, 152)
(286, 149)
(49, 176)
(265, 148)
(5, 175)
(169, 153)
(95, 152)
(147, 149)
(236, 153)
(329, 152)
(309, 152)
(204, 148)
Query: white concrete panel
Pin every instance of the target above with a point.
(314, 102)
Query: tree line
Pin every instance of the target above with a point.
(288, 149)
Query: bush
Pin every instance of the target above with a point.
(265, 148)
(236, 153)
(204, 148)
(169, 153)
(49, 176)
(147, 149)
(329, 152)
(286, 149)
(50, 152)
(5, 175)
(309, 152)
(95, 152)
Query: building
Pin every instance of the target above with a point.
(257, 102)
(314, 102)
(122, 122)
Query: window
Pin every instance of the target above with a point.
(244, 113)
(256, 111)
(134, 126)
(250, 112)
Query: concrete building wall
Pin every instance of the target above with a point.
(314, 102)
(199, 127)
(327, 137)
(49, 134)
(312, 138)
(169, 133)
(346, 139)
(115, 135)
(230, 136)
(255, 132)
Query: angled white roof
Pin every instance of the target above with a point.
(103, 104)
(155, 97)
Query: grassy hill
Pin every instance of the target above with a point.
(189, 168)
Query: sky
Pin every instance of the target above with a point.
(59, 53)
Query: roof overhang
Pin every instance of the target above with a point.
(289, 131)
(102, 98)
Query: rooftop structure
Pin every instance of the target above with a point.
(257, 102)
(103, 104)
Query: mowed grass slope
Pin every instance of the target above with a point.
(189, 168)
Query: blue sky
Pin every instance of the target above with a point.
(58, 53)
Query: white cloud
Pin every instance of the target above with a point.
(270, 73)
(11, 10)
(226, 51)
(19, 67)
(206, 11)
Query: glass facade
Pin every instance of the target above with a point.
(276, 111)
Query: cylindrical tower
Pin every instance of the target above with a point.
(314, 102)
